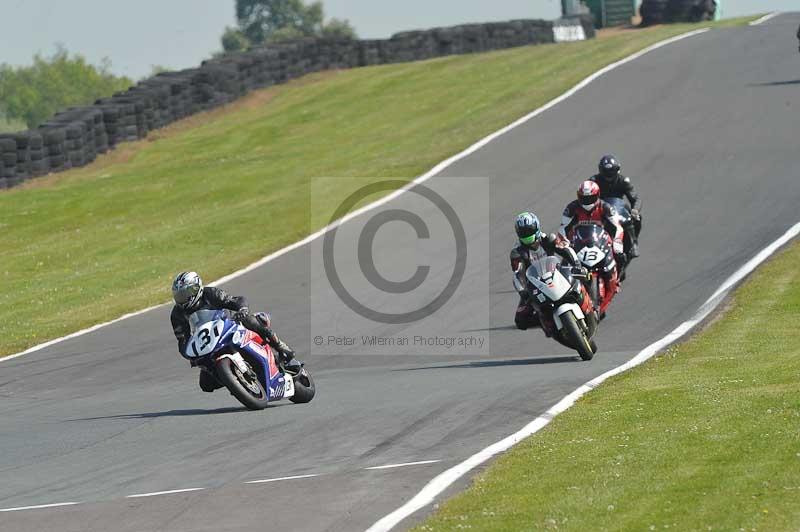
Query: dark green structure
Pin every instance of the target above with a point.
(611, 12)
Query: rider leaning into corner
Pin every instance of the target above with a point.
(190, 296)
(590, 209)
(615, 185)
(533, 245)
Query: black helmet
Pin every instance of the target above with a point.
(528, 228)
(609, 168)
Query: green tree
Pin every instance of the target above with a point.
(338, 28)
(233, 40)
(262, 21)
(34, 93)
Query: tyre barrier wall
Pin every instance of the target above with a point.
(74, 137)
(665, 11)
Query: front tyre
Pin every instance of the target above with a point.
(304, 388)
(576, 336)
(244, 387)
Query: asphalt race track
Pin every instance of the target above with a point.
(709, 129)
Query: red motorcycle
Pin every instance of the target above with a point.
(595, 250)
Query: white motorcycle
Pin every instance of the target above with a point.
(565, 310)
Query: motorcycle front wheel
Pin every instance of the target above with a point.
(576, 336)
(244, 387)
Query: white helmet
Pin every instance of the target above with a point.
(589, 195)
(187, 290)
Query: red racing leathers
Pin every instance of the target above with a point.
(602, 214)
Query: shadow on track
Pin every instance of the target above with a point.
(777, 83)
(169, 413)
(565, 359)
(490, 329)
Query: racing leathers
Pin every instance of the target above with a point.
(602, 214)
(214, 298)
(622, 187)
(521, 258)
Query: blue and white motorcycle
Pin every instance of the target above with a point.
(243, 362)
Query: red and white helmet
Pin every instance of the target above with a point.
(589, 195)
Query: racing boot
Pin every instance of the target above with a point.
(622, 265)
(633, 252)
(208, 382)
(290, 363)
(525, 318)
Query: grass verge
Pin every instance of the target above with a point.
(220, 190)
(703, 437)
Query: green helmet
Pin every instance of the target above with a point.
(529, 230)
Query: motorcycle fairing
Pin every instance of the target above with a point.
(546, 277)
(276, 384)
(213, 332)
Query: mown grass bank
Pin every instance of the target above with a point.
(703, 437)
(92, 244)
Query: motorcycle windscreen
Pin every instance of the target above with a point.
(591, 244)
(621, 207)
(545, 275)
(197, 319)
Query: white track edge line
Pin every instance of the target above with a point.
(168, 492)
(404, 464)
(765, 18)
(421, 179)
(39, 506)
(295, 477)
(441, 482)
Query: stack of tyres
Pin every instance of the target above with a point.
(8, 162)
(74, 137)
(691, 10)
(40, 165)
(83, 126)
(110, 123)
(22, 163)
(73, 144)
(127, 124)
(653, 12)
(54, 138)
(665, 11)
(23, 156)
(369, 52)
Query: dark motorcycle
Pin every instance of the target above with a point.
(629, 225)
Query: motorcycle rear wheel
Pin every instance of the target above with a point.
(229, 375)
(576, 336)
(304, 388)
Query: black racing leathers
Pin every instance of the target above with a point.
(521, 257)
(214, 298)
(622, 187)
(521, 254)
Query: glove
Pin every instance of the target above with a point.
(635, 214)
(241, 314)
(619, 249)
(580, 271)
